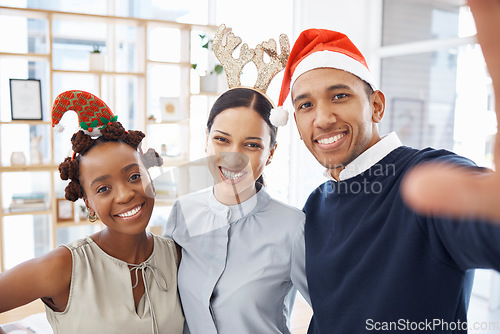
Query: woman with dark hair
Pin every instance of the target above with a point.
(121, 279)
(242, 251)
(242, 98)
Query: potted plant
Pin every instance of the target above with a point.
(96, 59)
(210, 81)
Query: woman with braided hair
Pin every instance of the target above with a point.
(121, 279)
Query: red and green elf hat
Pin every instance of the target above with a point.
(93, 113)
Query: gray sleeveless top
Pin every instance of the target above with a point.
(101, 299)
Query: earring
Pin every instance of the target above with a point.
(93, 218)
(269, 160)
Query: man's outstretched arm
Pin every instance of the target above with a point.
(455, 192)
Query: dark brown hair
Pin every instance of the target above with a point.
(69, 169)
(249, 98)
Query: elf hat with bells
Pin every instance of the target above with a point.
(93, 113)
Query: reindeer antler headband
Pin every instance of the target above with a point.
(265, 71)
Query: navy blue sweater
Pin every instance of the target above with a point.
(375, 266)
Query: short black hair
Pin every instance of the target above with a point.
(368, 89)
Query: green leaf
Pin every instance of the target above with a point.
(194, 66)
(205, 46)
(104, 120)
(84, 125)
(114, 119)
(218, 69)
(94, 124)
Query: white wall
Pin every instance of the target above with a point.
(361, 20)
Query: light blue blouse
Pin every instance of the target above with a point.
(241, 264)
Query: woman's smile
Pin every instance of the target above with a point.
(232, 176)
(239, 144)
(130, 213)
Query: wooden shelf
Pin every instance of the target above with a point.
(164, 62)
(26, 122)
(29, 56)
(215, 94)
(29, 168)
(181, 122)
(6, 212)
(105, 84)
(173, 162)
(137, 74)
(22, 312)
(76, 223)
(113, 19)
(164, 202)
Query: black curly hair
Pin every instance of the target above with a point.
(69, 169)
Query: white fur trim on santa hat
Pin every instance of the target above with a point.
(279, 116)
(330, 59)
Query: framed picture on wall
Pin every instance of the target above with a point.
(170, 110)
(25, 99)
(65, 211)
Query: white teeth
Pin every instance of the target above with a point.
(130, 213)
(331, 139)
(231, 175)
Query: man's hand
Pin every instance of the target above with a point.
(447, 190)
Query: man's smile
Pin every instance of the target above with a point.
(331, 140)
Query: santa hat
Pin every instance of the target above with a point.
(321, 48)
(93, 113)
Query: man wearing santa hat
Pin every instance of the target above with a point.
(373, 264)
